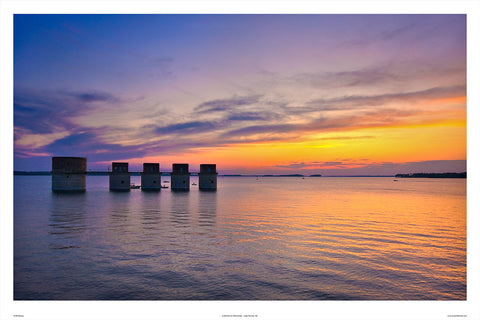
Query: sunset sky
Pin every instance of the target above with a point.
(272, 94)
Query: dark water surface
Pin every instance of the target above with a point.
(267, 239)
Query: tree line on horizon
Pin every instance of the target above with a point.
(432, 175)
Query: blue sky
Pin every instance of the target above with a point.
(253, 93)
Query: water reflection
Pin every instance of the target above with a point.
(67, 221)
(150, 210)
(327, 240)
(179, 208)
(207, 208)
(120, 209)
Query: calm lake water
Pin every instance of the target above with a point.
(268, 239)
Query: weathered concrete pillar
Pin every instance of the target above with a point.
(151, 177)
(207, 178)
(180, 177)
(120, 177)
(69, 174)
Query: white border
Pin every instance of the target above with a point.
(264, 309)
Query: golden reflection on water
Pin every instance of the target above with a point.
(272, 238)
(400, 235)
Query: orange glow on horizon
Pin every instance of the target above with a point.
(430, 135)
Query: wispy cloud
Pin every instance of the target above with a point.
(382, 36)
(389, 35)
(187, 128)
(44, 122)
(375, 118)
(356, 101)
(383, 74)
(268, 129)
(222, 105)
(349, 78)
(251, 116)
(49, 112)
(215, 123)
(93, 96)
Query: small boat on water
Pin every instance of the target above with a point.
(134, 186)
(164, 187)
(166, 181)
(194, 184)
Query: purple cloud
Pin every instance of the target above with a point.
(47, 111)
(226, 104)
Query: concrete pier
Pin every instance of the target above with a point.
(69, 174)
(151, 177)
(180, 177)
(207, 177)
(120, 177)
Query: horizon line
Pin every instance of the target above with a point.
(293, 175)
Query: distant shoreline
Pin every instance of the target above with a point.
(457, 175)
